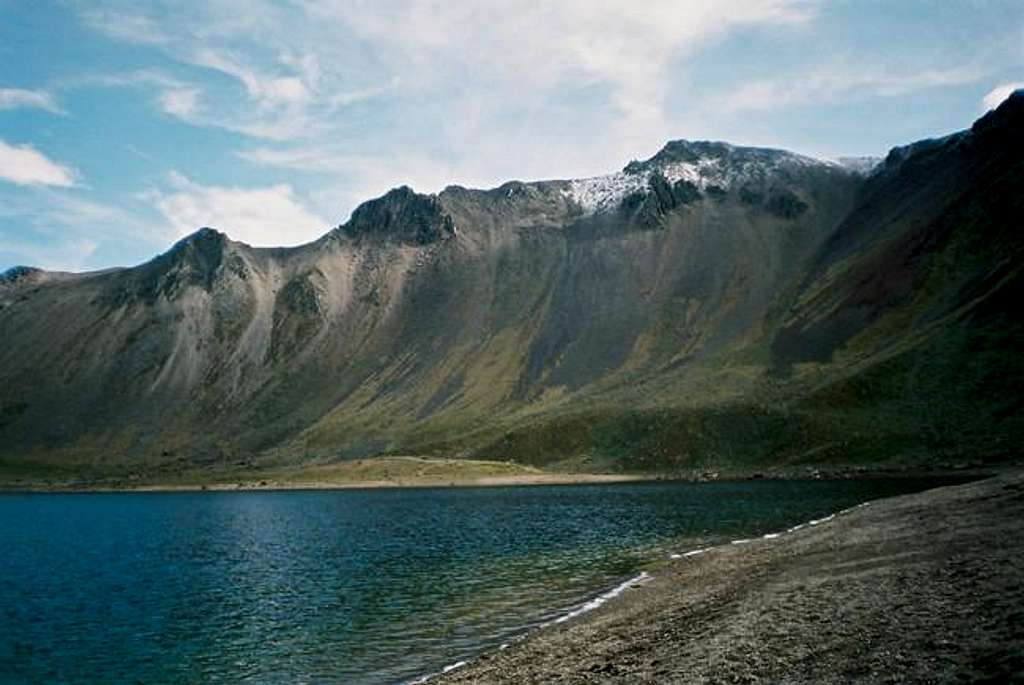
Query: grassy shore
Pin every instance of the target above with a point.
(920, 588)
(377, 472)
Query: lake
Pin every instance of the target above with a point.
(366, 586)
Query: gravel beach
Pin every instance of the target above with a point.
(921, 588)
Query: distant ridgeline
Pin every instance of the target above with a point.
(713, 305)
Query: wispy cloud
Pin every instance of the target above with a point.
(131, 27)
(12, 98)
(265, 216)
(524, 60)
(190, 102)
(354, 178)
(312, 158)
(995, 97)
(831, 83)
(64, 229)
(70, 254)
(56, 209)
(472, 66)
(173, 96)
(24, 165)
(496, 87)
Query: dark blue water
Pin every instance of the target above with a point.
(343, 586)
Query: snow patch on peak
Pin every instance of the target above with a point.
(729, 167)
(604, 193)
(864, 166)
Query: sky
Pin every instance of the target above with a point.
(125, 126)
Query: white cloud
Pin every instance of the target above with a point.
(995, 97)
(266, 89)
(11, 98)
(24, 165)
(268, 216)
(180, 102)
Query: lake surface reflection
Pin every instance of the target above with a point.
(369, 586)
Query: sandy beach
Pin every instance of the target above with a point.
(920, 588)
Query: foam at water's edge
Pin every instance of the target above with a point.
(601, 599)
(773, 536)
(447, 669)
(594, 603)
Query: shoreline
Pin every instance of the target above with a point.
(271, 486)
(763, 608)
(277, 481)
(635, 581)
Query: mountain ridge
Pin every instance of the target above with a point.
(669, 152)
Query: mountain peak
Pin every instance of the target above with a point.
(196, 258)
(708, 152)
(682, 150)
(402, 215)
(204, 235)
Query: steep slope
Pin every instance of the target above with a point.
(713, 304)
(908, 314)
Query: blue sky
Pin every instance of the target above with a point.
(126, 125)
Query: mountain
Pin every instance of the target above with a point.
(713, 305)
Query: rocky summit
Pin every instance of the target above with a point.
(712, 306)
